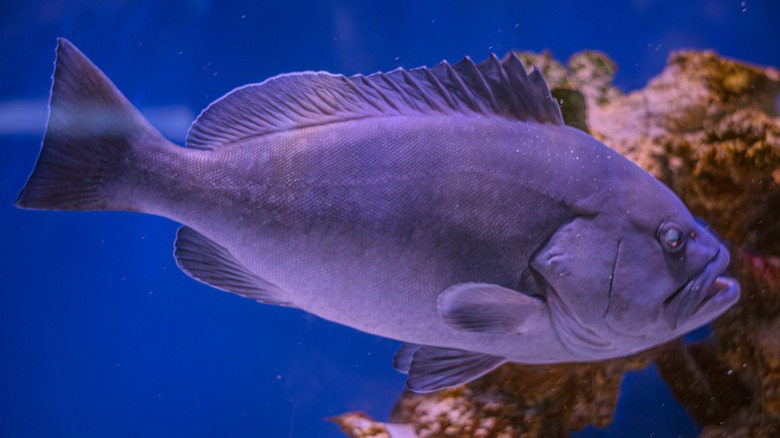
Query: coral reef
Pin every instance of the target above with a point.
(521, 400)
(707, 127)
(515, 400)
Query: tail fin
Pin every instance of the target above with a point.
(90, 131)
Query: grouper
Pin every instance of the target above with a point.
(449, 208)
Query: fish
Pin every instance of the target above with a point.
(449, 208)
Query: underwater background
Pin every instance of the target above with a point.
(101, 334)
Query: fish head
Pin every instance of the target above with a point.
(668, 273)
(637, 272)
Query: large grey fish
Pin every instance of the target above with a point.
(446, 207)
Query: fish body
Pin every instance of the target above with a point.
(448, 208)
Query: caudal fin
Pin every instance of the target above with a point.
(91, 129)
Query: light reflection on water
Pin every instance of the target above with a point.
(29, 118)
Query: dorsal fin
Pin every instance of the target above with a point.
(299, 100)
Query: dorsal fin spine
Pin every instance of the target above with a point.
(518, 79)
(504, 84)
(389, 102)
(441, 89)
(364, 93)
(514, 80)
(392, 84)
(554, 110)
(453, 77)
(409, 79)
(469, 65)
(416, 75)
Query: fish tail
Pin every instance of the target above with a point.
(90, 136)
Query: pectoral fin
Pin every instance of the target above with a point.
(487, 308)
(211, 263)
(432, 368)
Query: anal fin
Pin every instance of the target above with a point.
(402, 361)
(211, 263)
(431, 369)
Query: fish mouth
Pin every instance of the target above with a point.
(704, 297)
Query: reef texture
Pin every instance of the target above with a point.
(707, 127)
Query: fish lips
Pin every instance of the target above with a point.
(704, 297)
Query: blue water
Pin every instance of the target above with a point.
(101, 335)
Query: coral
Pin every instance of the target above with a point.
(586, 84)
(357, 424)
(707, 127)
(513, 401)
(521, 400)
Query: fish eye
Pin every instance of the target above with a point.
(672, 236)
